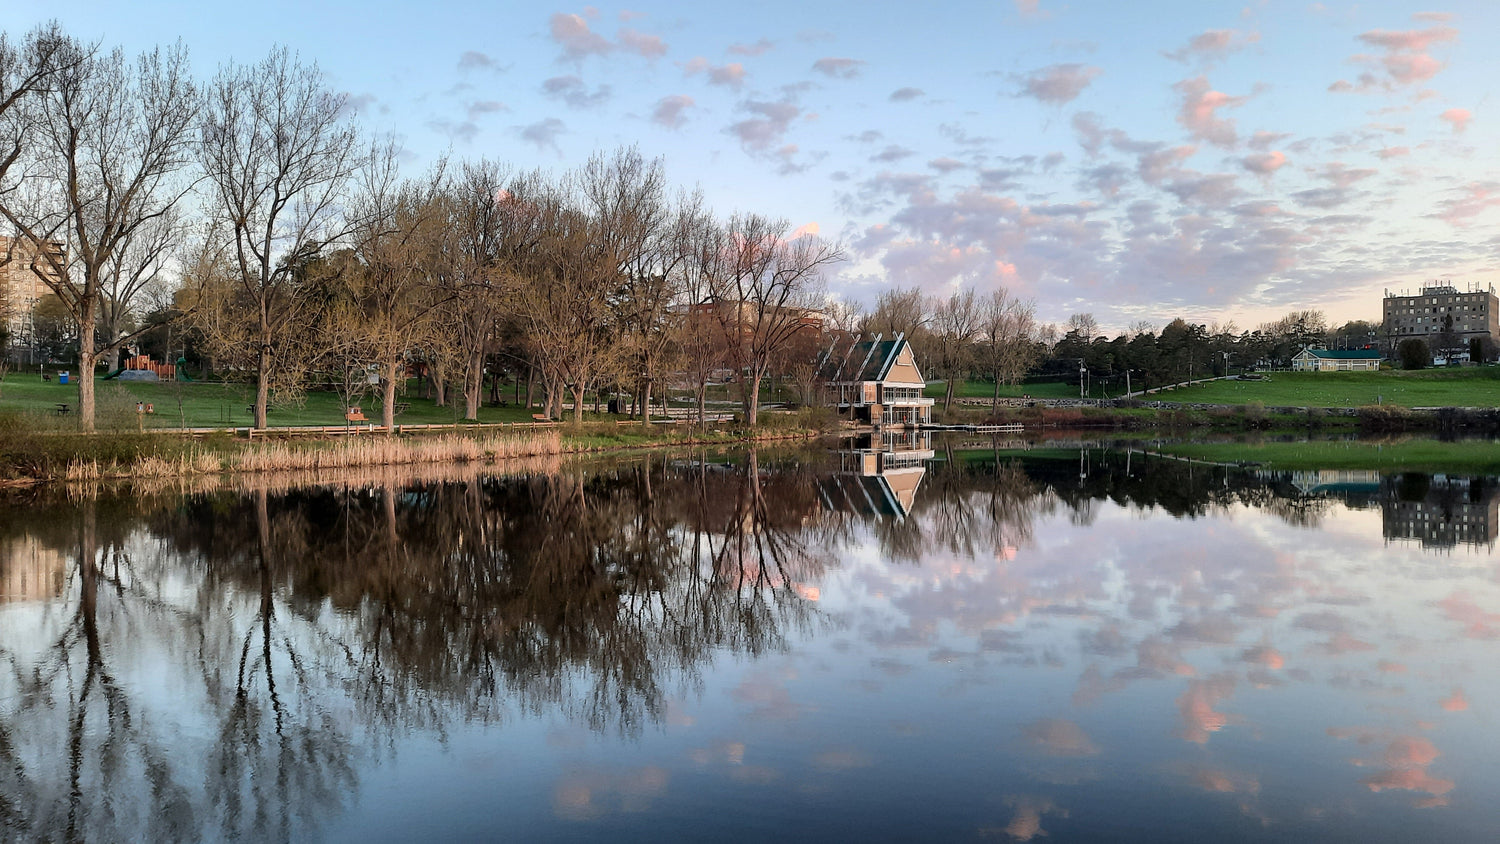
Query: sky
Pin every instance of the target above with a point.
(1138, 161)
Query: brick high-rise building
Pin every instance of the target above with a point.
(1466, 314)
(20, 286)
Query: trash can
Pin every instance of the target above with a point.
(62, 377)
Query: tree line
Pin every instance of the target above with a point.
(252, 210)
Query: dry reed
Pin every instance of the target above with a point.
(386, 451)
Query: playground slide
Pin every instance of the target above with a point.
(115, 374)
(182, 370)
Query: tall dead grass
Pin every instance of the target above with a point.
(387, 451)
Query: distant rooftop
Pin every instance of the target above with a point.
(1357, 354)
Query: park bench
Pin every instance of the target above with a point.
(355, 415)
(541, 417)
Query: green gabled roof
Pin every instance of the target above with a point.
(864, 361)
(1357, 354)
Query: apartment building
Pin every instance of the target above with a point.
(20, 286)
(1470, 313)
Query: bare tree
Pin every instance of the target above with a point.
(956, 322)
(115, 142)
(646, 239)
(1008, 344)
(277, 154)
(138, 269)
(766, 290)
(28, 71)
(1086, 326)
(398, 242)
(565, 298)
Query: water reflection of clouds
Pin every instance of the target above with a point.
(1236, 597)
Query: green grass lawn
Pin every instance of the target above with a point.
(218, 405)
(1470, 387)
(1416, 455)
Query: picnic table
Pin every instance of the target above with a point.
(63, 408)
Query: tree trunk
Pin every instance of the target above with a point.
(473, 386)
(702, 404)
(752, 407)
(86, 360)
(530, 386)
(578, 402)
(262, 387)
(995, 402)
(646, 402)
(438, 377)
(947, 395)
(388, 394)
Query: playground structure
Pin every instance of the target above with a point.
(164, 371)
(144, 364)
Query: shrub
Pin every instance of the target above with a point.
(1414, 354)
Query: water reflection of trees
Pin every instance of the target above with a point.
(228, 671)
(224, 664)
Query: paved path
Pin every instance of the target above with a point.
(1154, 390)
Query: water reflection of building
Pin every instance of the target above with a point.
(1357, 488)
(880, 473)
(30, 571)
(1440, 511)
(1362, 481)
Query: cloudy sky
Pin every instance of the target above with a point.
(1141, 161)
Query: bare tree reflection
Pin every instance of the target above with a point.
(225, 663)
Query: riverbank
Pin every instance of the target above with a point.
(1467, 457)
(29, 457)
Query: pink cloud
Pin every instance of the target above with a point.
(1213, 44)
(1057, 737)
(1026, 824)
(1392, 152)
(1455, 702)
(1412, 40)
(1059, 83)
(1405, 60)
(572, 32)
(1458, 118)
(1478, 623)
(838, 68)
(1196, 706)
(755, 49)
(1269, 657)
(1199, 111)
(730, 75)
(669, 111)
(1264, 163)
(1224, 782)
(650, 46)
(1030, 9)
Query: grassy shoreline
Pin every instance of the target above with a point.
(29, 457)
(1411, 455)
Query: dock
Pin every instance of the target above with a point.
(1007, 428)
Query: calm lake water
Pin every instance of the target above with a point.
(943, 644)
